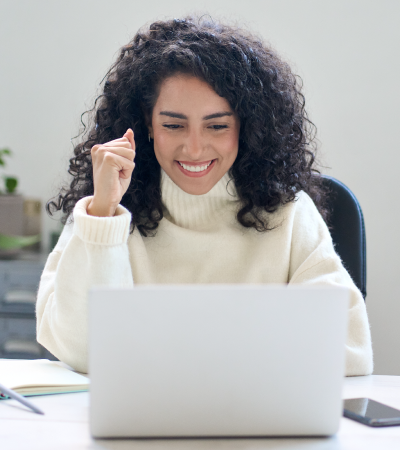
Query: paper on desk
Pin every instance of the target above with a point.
(39, 377)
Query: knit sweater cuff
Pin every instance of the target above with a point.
(101, 230)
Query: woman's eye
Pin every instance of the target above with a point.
(172, 126)
(218, 127)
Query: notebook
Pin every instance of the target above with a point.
(40, 377)
(209, 360)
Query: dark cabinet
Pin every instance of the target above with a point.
(19, 282)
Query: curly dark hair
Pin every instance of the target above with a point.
(276, 155)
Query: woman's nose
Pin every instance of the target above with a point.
(194, 145)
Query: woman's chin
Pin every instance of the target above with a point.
(194, 185)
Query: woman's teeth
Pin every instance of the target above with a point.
(195, 168)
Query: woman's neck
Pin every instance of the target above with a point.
(196, 211)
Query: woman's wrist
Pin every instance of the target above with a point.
(93, 227)
(99, 210)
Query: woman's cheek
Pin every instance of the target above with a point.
(231, 144)
(162, 144)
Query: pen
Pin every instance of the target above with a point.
(20, 399)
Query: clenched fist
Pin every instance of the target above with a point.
(112, 172)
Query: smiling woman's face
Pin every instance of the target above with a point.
(195, 132)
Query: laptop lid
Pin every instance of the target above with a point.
(216, 360)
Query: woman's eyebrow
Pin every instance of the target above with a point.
(182, 116)
(173, 114)
(218, 114)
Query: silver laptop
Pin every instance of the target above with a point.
(228, 360)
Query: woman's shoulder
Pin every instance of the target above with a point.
(303, 219)
(308, 226)
(303, 200)
(302, 207)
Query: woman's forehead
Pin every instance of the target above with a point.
(186, 91)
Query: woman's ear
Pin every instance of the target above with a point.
(149, 126)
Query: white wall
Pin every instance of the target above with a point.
(53, 55)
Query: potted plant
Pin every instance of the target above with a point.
(10, 182)
(12, 215)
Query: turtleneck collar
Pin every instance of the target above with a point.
(196, 211)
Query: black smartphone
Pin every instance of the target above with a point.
(370, 412)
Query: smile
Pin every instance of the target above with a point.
(196, 170)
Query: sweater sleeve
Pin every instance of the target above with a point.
(91, 251)
(314, 261)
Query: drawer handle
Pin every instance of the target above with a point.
(21, 346)
(20, 296)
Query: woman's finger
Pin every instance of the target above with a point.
(127, 140)
(130, 136)
(122, 142)
(127, 153)
(123, 165)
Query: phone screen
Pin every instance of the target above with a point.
(371, 412)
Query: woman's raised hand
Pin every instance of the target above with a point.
(112, 172)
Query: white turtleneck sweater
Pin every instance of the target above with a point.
(199, 240)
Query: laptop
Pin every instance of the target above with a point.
(216, 360)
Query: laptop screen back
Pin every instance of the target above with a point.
(216, 360)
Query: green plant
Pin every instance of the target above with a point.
(15, 242)
(10, 183)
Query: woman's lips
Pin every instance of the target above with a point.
(192, 163)
(196, 174)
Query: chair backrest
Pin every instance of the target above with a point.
(348, 231)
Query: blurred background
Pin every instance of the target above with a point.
(53, 55)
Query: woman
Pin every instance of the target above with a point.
(198, 168)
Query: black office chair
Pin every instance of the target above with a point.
(348, 231)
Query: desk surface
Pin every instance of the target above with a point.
(65, 426)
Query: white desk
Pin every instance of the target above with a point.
(65, 426)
